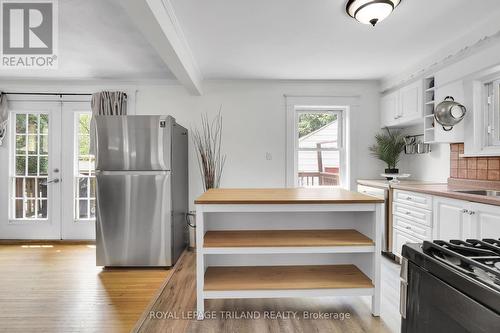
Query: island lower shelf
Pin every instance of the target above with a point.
(285, 277)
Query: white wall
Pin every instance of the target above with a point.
(254, 124)
(254, 117)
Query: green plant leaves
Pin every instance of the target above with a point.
(388, 147)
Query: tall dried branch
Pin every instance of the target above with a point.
(208, 144)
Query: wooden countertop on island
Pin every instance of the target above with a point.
(284, 196)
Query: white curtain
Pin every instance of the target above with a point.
(106, 103)
(4, 117)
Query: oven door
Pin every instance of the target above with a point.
(434, 306)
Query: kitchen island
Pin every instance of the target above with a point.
(298, 242)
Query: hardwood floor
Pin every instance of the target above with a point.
(173, 312)
(56, 287)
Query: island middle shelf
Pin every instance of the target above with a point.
(286, 241)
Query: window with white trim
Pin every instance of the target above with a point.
(319, 149)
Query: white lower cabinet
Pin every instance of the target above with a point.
(400, 238)
(452, 219)
(445, 219)
(485, 221)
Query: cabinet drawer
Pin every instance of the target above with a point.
(373, 191)
(419, 200)
(400, 239)
(417, 215)
(420, 231)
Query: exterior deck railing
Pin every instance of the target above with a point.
(318, 179)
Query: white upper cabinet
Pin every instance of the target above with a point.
(402, 107)
(389, 109)
(410, 103)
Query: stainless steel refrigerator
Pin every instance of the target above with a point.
(142, 190)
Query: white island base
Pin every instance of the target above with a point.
(272, 243)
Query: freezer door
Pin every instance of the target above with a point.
(133, 142)
(134, 225)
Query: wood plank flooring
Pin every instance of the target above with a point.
(56, 287)
(174, 310)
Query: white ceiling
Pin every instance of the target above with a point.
(315, 39)
(97, 40)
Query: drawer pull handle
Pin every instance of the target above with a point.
(408, 198)
(408, 213)
(408, 228)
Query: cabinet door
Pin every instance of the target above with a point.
(389, 109)
(410, 103)
(451, 219)
(485, 221)
(400, 239)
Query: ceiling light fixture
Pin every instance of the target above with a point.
(371, 11)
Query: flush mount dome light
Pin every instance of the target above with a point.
(371, 11)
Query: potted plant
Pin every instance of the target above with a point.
(388, 148)
(208, 143)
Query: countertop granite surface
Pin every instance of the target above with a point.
(448, 190)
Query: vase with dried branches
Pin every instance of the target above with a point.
(208, 144)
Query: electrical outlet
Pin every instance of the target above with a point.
(269, 156)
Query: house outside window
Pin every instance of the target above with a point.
(319, 148)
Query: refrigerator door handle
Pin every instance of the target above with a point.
(139, 173)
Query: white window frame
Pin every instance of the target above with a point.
(492, 113)
(293, 109)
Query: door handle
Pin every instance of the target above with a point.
(54, 181)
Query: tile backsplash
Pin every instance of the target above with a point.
(483, 168)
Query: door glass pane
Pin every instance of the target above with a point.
(30, 188)
(42, 208)
(44, 144)
(21, 123)
(44, 124)
(29, 195)
(32, 144)
(18, 208)
(42, 188)
(84, 177)
(30, 208)
(44, 165)
(32, 124)
(82, 187)
(32, 165)
(92, 209)
(82, 212)
(21, 165)
(20, 144)
(19, 187)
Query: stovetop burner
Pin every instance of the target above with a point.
(478, 259)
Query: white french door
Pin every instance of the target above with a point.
(51, 172)
(78, 173)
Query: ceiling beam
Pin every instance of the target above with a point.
(157, 21)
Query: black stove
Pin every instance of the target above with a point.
(451, 286)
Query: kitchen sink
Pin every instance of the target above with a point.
(488, 193)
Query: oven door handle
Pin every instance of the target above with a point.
(403, 288)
